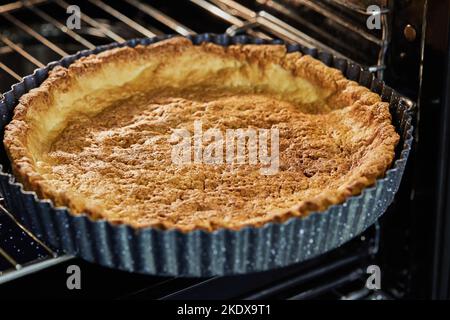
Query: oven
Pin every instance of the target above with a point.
(405, 43)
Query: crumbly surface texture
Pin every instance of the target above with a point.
(96, 137)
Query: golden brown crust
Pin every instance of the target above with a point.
(43, 113)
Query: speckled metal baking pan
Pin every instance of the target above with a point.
(201, 253)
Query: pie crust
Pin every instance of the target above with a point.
(95, 137)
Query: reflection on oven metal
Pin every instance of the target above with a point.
(32, 267)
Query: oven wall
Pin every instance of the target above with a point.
(425, 205)
(438, 97)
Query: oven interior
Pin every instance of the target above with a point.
(33, 33)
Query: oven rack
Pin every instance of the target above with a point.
(238, 18)
(336, 275)
(42, 260)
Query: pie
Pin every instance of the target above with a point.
(97, 137)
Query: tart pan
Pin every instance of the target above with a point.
(200, 253)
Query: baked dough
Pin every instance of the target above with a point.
(95, 136)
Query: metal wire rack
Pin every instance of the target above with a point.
(264, 18)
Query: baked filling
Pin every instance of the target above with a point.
(97, 136)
